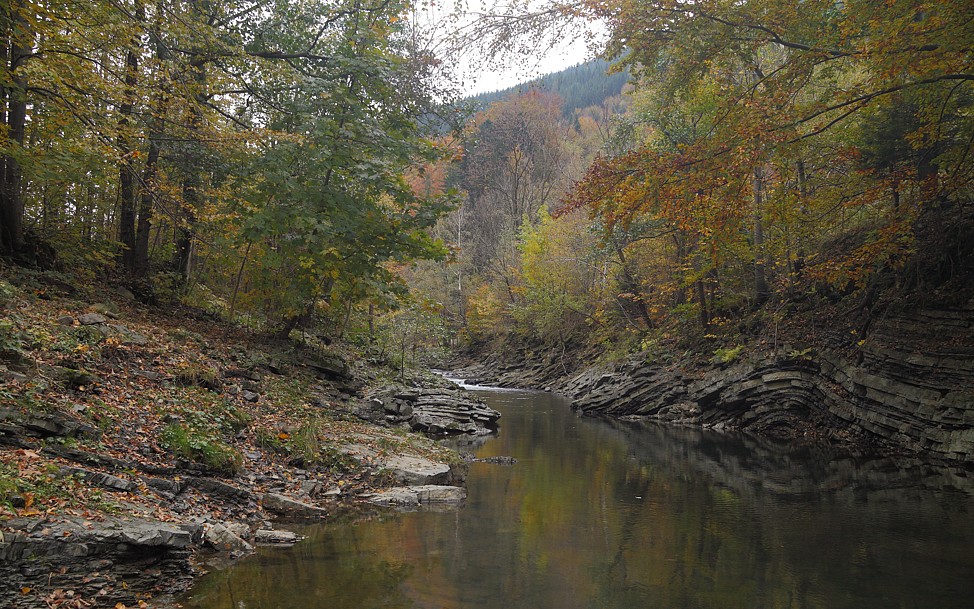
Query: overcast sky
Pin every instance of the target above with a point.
(438, 21)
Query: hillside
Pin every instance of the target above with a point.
(586, 84)
(133, 437)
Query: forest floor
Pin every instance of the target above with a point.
(110, 410)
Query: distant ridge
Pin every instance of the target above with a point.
(586, 84)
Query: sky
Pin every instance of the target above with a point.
(523, 59)
(483, 78)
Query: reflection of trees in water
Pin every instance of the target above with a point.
(745, 522)
(746, 463)
(309, 575)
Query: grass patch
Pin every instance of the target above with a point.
(199, 446)
(192, 374)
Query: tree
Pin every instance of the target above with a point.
(326, 198)
(17, 39)
(513, 167)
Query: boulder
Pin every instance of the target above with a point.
(223, 539)
(122, 334)
(92, 319)
(328, 366)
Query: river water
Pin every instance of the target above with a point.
(602, 514)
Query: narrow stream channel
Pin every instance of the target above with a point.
(600, 514)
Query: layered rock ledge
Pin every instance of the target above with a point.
(92, 560)
(437, 411)
(886, 392)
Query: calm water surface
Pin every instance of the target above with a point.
(601, 514)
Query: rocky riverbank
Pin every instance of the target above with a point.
(908, 386)
(132, 443)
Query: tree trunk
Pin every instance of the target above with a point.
(702, 303)
(126, 170)
(761, 290)
(632, 286)
(799, 265)
(17, 50)
(147, 194)
(140, 256)
(193, 179)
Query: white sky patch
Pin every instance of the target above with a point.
(459, 33)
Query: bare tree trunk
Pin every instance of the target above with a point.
(799, 265)
(17, 50)
(761, 290)
(702, 303)
(193, 179)
(126, 169)
(157, 127)
(632, 286)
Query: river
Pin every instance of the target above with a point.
(609, 514)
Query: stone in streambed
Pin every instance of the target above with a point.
(417, 470)
(418, 496)
(222, 538)
(269, 537)
(286, 507)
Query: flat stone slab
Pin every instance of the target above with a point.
(419, 496)
(292, 508)
(85, 538)
(270, 537)
(413, 471)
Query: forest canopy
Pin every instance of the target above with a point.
(765, 152)
(252, 153)
(281, 162)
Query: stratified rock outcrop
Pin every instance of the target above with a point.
(887, 391)
(105, 560)
(430, 410)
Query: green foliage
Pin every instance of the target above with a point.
(727, 355)
(206, 421)
(7, 294)
(38, 488)
(409, 336)
(9, 488)
(245, 162)
(13, 339)
(198, 446)
(559, 284)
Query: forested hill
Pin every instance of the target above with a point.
(586, 84)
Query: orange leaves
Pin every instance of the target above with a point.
(68, 599)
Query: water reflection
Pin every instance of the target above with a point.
(619, 515)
